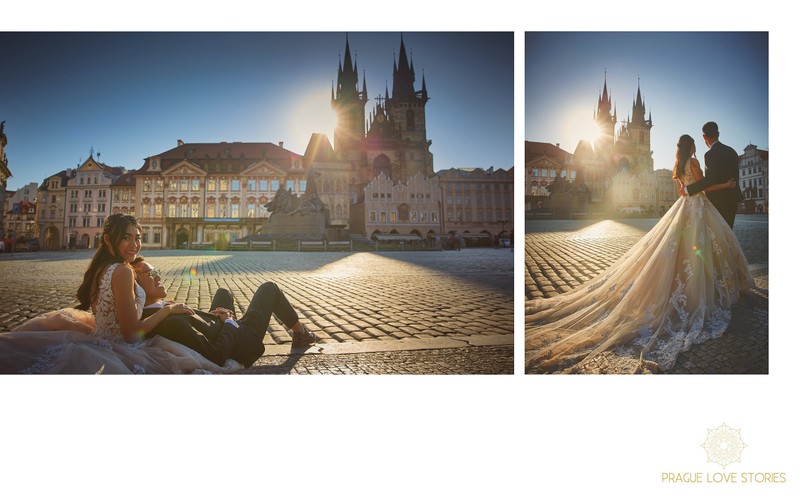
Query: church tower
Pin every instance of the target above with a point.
(607, 122)
(348, 104)
(633, 145)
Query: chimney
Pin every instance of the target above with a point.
(558, 145)
(280, 144)
(180, 142)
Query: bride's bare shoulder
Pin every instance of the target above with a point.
(694, 165)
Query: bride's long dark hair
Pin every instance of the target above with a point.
(685, 146)
(116, 227)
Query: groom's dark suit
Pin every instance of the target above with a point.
(217, 340)
(209, 336)
(722, 164)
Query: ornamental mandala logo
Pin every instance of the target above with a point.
(724, 445)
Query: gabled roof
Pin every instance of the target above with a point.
(319, 149)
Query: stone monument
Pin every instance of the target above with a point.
(296, 218)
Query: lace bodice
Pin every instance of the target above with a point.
(105, 310)
(688, 176)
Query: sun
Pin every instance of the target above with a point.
(578, 124)
(312, 113)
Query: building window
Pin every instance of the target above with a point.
(211, 184)
(184, 185)
(413, 216)
(173, 185)
(303, 186)
(393, 216)
(223, 184)
(262, 185)
(171, 210)
(159, 185)
(87, 207)
(101, 207)
(383, 216)
(373, 216)
(251, 208)
(423, 216)
(290, 185)
(195, 210)
(184, 210)
(145, 233)
(234, 210)
(157, 236)
(235, 185)
(275, 185)
(251, 185)
(158, 210)
(146, 186)
(86, 222)
(195, 184)
(209, 211)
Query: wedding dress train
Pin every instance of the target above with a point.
(673, 289)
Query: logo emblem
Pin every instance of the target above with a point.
(724, 445)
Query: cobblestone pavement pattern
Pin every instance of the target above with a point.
(560, 255)
(345, 298)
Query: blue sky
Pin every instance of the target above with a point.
(130, 95)
(686, 79)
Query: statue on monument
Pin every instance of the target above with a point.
(286, 202)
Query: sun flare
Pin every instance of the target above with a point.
(312, 113)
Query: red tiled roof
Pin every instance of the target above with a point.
(200, 153)
(124, 180)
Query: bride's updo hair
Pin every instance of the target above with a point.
(115, 228)
(685, 146)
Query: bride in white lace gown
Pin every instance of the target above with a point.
(72, 341)
(673, 289)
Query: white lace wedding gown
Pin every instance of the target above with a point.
(673, 289)
(72, 341)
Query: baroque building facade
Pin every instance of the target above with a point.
(754, 180)
(20, 213)
(88, 202)
(408, 209)
(212, 193)
(477, 202)
(52, 208)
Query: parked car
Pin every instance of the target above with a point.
(27, 245)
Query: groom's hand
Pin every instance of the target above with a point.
(682, 191)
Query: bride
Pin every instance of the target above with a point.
(673, 289)
(110, 339)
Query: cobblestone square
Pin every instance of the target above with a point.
(562, 254)
(428, 312)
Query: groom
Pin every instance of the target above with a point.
(722, 164)
(215, 334)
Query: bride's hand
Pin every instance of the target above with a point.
(179, 308)
(730, 184)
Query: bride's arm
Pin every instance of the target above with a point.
(698, 176)
(122, 284)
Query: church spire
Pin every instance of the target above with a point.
(403, 82)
